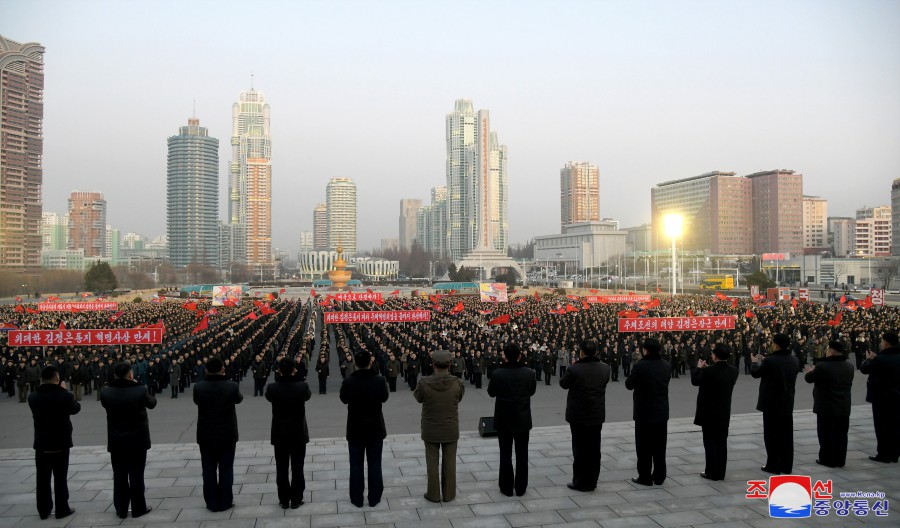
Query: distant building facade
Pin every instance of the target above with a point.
(54, 231)
(320, 227)
(306, 241)
(842, 235)
(777, 211)
(432, 229)
(895, 217)
(340, 203)
(22, 147)
(873, 231)
(193, 196)
(408, 208)
(87, 223)
(815, 224)
(579, 193)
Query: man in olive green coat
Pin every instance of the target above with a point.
(440, 395)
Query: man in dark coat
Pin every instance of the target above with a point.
(650, 382)
(128, 432)
(51, 407)
(217, 434)
(883, 392)
(833, 379)
(777, 375)
(716, 384)
(513, 385)
(290, 433)
(364, 391)
(586, 411)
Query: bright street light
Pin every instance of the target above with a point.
(672, 225)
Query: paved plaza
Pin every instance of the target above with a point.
(174, 484)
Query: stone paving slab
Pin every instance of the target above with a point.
(174, 485)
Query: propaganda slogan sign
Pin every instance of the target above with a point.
(77, 306)
(387, 316)
(677, 324)
(133, 336)
(603, 299)
(365, 296)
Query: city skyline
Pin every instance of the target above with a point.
(643, 113)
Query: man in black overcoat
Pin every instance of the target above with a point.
(883, 392)
(128, 435)
(512, 385)
(650, 382)
(217, 433)
(51, 407)
(716, 382)
(777, 375)
(290, 433)
(833, 379)
(586, 381)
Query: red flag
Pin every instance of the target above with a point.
(519, 314)
(734, 303)
(266, 310)
(837, 319)
(721, 296)
(192, 306)
(212, 311)
(52, 298)
(585, 305)
(503, 319)
(533, 322)
(658, 290)
(690, 313)
(312, 292)
(270, 296)
(536, 296)
(458, 308)
(652, 304)
(628, 314)
(843, 299)
(867, 302)
(379, 302)
(204, 324)
(485, 312)
(115, 316)
(630, 293)
(19, 308)
(62, 325)
(283, 290)
(452, 292)
(84, 295)
(749, 315)
(18, 299)
(570, 308)
(595, 291)
(395, 292)
(29, 310)
(251, 316)
(794, 303)
(157, 324)
(229, 302)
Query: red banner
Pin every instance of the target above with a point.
(374, 297)
(131, 336)
(594, 299)
(77, 306)
(395, 316)
(677, 324)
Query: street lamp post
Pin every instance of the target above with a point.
(672, 225)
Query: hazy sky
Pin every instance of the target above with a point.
(649, 91)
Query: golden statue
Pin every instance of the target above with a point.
(339, 276)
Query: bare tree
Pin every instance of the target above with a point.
(886, 275)
(840, 268)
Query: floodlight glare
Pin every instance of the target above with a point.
(672, 225)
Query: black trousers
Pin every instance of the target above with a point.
(477, 379)
(650, 444)
(392, 383)
(887, 430)
(510, 482)
(626, 369)
(715, 444)
(218, 476)
(128, 480)
(259, 387)
(586, 455)
(832, 431)
(778, 435)
(323, 385)
(290, 490)
(57, 465)
(370, 453)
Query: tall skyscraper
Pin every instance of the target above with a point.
(579, 193)
(250, 180)
(408, 208)
(815, 224)
(193, 196)
(87, 223)
(22, 145)
(716, 211)
(777, 212)
(340, 203)
(477, 185)
(895, 218)
(431, 224)
(320, 227)
(54, 231)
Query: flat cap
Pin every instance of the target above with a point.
(441, 356)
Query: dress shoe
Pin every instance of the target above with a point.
(881, 459)
(430, 499)
(284, 505)
(520, 493)
(122, 515)
(64, 514)
(135, 515)
(642, 482)
(507, 493)
(357, 504)
(44, 516)
(707, 477)
(297, 504)
(659, 482)
(772, 471)
(226, 508)
(824, 464)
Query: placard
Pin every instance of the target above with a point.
(604, 299)
(387, 316)
(677, 324)
(77, 306)
(493, 292)
(129, 336)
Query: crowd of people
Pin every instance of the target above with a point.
(542, 337)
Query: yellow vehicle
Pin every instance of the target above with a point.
(718, 282)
